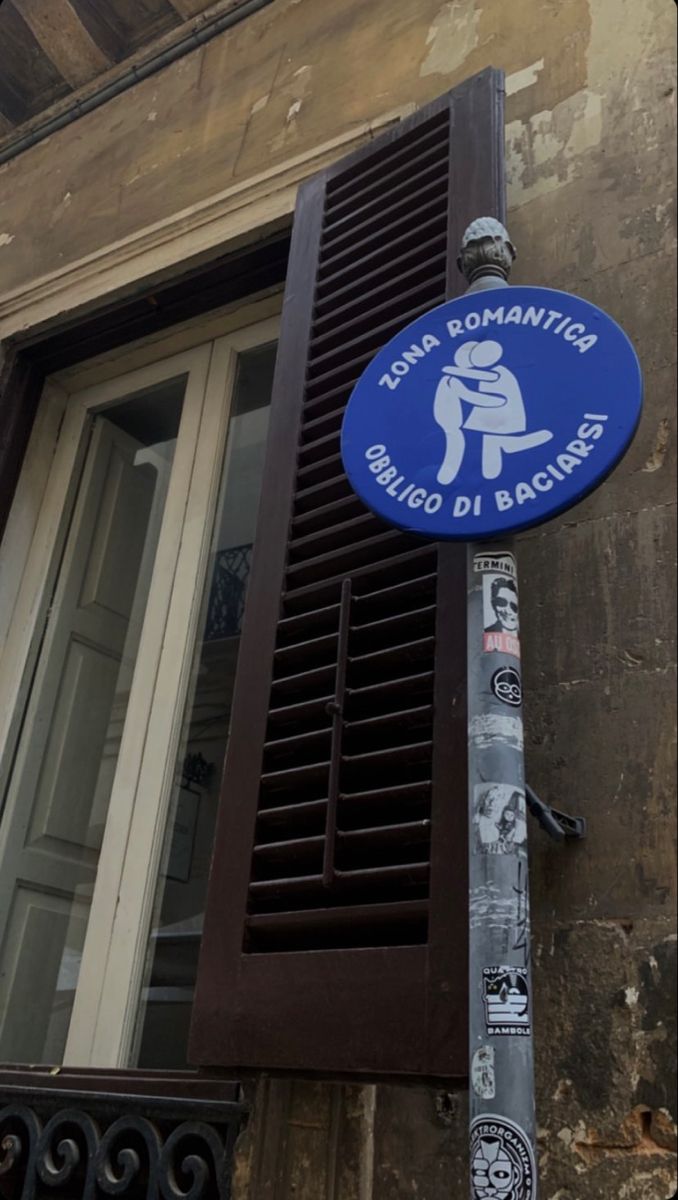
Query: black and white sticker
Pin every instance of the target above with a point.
(482, 1073)
(498, 563)
(502, 1161)
(501, 620)
(507, 687)
(499, 818)
(507, 1001)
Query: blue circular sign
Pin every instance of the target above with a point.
(492, 413)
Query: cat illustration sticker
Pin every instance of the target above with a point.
(502, 1160)
(507, 1001)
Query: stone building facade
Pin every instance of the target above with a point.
(194, 161)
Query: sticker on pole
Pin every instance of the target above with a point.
(492, 413)
(502, 1161)
(506, 1000)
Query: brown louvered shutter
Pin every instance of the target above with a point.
(335, 935)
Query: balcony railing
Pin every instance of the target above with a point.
(226, 602)
(86, 1135)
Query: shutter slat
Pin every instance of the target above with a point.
(383, 627)
(327, 515)
(317, 494)
(303, 775)
(404, 652)
(390, 756)
(429, 291)
(294, 851)
(378, 259)
(389, 568)
(318, 471)
(406, 716)
(317, 448)
(413, 594)
(344, 356)
(430, 150)
(352, 925)
(364, 227)
(303, 710)
(411, 687)
(345, 557)
(318, 647)
(401, 873)
(302, 681)
(327, 918)
(379, 836)
(376, 839)
(397, 793)
(328, 423)
(296, 744)
(334, 537)
(292, 816)
(385, 160)
(319, 618)
(423, 258)
(429, 213)
(348, 364)
(428, 170)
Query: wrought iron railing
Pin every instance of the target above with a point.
(130, 1135)
(226, 602)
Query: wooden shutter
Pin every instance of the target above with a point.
(335, 935)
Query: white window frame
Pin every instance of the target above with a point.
(104, 1016)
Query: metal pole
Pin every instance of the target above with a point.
(501, 1068)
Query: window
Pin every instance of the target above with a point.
(129, 609)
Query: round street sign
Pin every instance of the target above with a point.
(492, 413)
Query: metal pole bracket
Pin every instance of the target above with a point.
(559, 825)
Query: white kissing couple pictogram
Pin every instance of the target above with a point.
(497, 412)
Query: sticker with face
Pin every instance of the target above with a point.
(500, 605)
(499, 818)
(507, 687)
(502, 1162)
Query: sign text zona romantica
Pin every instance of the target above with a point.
(537, 318)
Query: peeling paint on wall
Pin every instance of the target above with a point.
(451, 37)
(297, 89)
(525, 78)
(661, 445)
(545, 152)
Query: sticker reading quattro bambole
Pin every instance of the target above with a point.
(488, 415)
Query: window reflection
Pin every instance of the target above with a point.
(174, 940)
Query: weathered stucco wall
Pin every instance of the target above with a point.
(590, 116)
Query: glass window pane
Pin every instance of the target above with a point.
(56, 803)
(181, 890)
